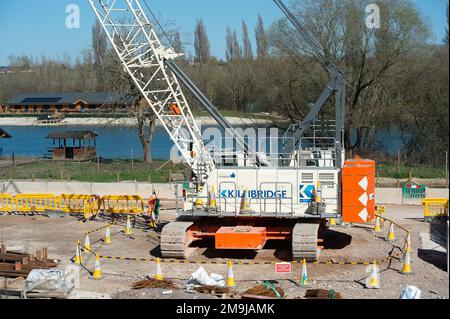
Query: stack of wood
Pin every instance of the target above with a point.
(262, 292)
(221, 292)
(153, 283)
(18, 264)
(322, 294)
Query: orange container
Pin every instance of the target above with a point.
(358, 191)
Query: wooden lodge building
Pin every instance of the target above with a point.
(66, 103)
(76, 146)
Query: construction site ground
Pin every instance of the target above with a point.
(354, 244)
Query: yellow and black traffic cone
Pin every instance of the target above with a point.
(158, 271)
(128, 228)
(230, 276)
(108, 235)
(97, 271)
(78, 259)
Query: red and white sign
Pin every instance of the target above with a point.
(283, 268)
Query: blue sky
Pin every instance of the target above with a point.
(37, 27)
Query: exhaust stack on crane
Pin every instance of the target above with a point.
(279, 197)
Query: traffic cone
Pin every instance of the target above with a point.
(245, 204)
(230, 277)
(128, 228)
(108, 236)
(87, 244)
(78, 259)
(318, 197)
(304, 281)
(373, 281)
(97, 271)
(391, 236)
(152, 223)
(332, 222)
(377, 228)
(199, 202)
(407, 264)
(158, 272)
(408, 243)
(213, 201)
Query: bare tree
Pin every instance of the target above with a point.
(247, 46)
(371, 59)
(261, 39)
(99, 48)
(201, 43)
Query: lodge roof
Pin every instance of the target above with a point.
(97, 98)
(78, 135)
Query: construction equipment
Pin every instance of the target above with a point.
(258, 198)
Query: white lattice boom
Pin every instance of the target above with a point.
(142, 54)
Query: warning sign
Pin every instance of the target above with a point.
(283, 268)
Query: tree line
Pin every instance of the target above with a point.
(396, 75)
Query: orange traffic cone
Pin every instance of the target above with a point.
(78, 259)
(230, 276)
(158, 272)
(97, 271)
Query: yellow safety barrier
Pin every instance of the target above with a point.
(435, 207)
(35, 203)
(92, 206)
(6, 203)
(123, 205)
(73, 203)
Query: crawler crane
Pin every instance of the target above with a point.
(242, 199)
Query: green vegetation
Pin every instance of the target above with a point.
(142, 172)
(390, 170)
(92, 172)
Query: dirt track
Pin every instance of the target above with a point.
(341, 244)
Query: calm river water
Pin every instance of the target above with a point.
(114, 142)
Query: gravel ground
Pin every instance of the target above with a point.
(357, 243)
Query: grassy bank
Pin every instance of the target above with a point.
(106, 172)
(390, 170)
(113, 171)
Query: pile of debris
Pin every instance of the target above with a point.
(266, 290)
(153, 283)
(18, 264)
(322, 294)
